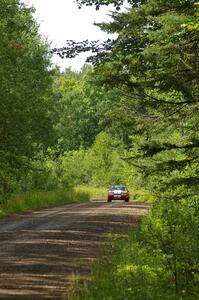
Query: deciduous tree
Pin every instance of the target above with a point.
(25, 121)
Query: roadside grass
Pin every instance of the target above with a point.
(94, 192)
(36, 200)
(127, 270)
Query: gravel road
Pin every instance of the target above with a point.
(42, 253)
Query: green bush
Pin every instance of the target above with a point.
(172, 228)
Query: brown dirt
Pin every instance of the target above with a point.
(44, 252)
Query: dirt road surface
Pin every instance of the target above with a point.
(43, 252)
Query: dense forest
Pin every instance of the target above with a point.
(130, 116)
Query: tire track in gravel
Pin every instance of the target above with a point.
(43, 252)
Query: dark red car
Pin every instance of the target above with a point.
(118, 192)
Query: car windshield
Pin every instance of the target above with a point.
(118, 187)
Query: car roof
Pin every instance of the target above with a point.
(118, 186)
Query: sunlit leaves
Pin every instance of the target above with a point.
(98, 3)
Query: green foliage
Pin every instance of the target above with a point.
(45, 173)
(75, 167)
(172, 229)
(85, 109)
(106, 164)
(100, 165)
(76, 126)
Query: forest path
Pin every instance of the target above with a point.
(43, 252)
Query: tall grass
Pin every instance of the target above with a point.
(35, 200)
(94, 192)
